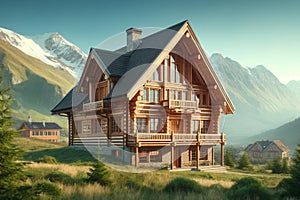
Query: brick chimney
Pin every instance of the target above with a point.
(134, 38)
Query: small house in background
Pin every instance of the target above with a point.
(49, 131)
(266, 150)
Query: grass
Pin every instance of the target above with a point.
(126, 185)
(142, 185)
(35, 149)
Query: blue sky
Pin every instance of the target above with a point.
(252, 32)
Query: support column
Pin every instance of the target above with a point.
(198, 156)
(172, 156)
(136, 156)
(212, 156)
(222, 154)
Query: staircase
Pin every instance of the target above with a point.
(213, 168)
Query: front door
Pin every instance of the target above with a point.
(176, 126)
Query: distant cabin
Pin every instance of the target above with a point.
(266, 150)
(49, 131)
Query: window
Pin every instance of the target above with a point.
(193, 155)
(154, 124)
(166, 94)
(166, 70)
(157, 74)
(101, 90)
(117, 125)
(86, 127)
(204, 99)
(141, 125)
(184, 95)
(154, 95)
(145, 95)
(173, 68)
(195, 126)
(205, 126)
(143, 157)
(155, 156)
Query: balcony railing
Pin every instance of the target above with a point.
(93, 106)
(177, 137)
(181, 104)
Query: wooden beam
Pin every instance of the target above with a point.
(222, 154)
(136, 156)
(197, 156)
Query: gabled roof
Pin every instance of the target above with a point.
(40, 126)
(280, 145)
(265, 144)
(71, 100)
(135, 67)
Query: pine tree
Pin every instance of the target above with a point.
(229, 160)
(295, 173)
(99, 174)
(10, 170)
(244, 162)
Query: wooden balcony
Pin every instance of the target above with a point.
(180, 104)
(93, 106)
(209, 139)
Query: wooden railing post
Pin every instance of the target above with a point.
(197, 151)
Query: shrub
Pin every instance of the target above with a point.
(46, 188)
(276, 166)
(47, 159)
(183, 185)
(249, 188)
(99, 174)
(59, 177)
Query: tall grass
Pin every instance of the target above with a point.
(138, 185)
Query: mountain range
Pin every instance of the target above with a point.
(262, 102)
(41, 69)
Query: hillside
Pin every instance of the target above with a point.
(288, 133)
(261, 100)
(36, 86)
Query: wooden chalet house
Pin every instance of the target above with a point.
(48, 131)
(156, 101)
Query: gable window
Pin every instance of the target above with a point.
(157, 74)
(166, 70)
(141, 125)
(101, 90)
(154, 124)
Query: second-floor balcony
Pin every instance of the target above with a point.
(209, 139)
(180, 104)
(93, 106)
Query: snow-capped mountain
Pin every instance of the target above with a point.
(53, 50)
(63, 50)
